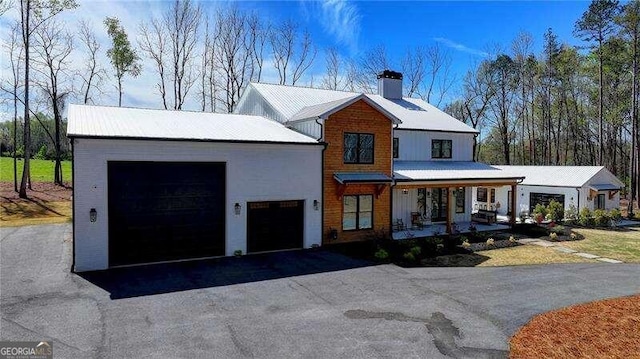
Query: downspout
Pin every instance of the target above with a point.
(578, 208)
(73, 208)
(324, 148)
(393, 179)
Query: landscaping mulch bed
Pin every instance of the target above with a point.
(42, 192)
(603, 329)
(503, 243)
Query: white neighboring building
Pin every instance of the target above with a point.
(592, 187)
(156, 185)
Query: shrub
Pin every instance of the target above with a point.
(409, 257)
(41, 154)
(416, 251)
(466, 244)
(571, 215)
(540, 209)
(490, 242)
(615, 214)
(584, 218)
(381, 254)
(601, 218)
(555, 210)
(237, 252)
(573, 236)
(512, 239)
(553, 236)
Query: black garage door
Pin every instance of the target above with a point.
(274, 226)
(161, 211)
(544, 199)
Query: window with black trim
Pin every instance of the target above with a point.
(358, 212)
(460, 200)
(441, 148)
(481, 194)
(493, 195)
(358, 148)
(396, 147)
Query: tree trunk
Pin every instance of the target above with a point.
(27, 129)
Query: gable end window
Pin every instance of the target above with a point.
(396, 147)
(357, 212)
(358, 148)
(441, 148)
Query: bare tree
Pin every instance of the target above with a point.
(92, 74)
(374, 61)
(41, 11)
(413, 70)
(15, 52)
(232, 54)
(53, 47)
(291, 57)
(5, 5)
(259, 32)
(331, 79)
(171, 43)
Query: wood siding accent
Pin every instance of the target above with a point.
(359, 117)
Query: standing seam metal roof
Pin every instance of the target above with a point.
(414, 113)
(104, 121)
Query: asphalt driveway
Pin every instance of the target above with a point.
(311, 304)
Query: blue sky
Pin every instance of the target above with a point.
(467, 30)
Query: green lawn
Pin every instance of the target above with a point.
(41, 170)
(622, 244)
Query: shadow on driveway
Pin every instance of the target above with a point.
(173, 277)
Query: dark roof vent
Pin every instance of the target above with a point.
(388, 74)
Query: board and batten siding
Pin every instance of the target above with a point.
(252, 103)
(309, 128)
(405, 203)
(415, 145)
(254, 172)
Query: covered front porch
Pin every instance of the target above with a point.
(436, 229)
(431, 198)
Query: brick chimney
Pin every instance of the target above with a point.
(390, 84)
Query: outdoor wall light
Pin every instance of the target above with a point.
(236, 208)
(405, 191)
(93, 215)
(316, 204)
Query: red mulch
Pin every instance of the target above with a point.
(42, 191)
(604, 329)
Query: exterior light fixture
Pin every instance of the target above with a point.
(405, 191)
(236, 208)
(316, 204)
(93, 215)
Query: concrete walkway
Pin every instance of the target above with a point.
(557, 246)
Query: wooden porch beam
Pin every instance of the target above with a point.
(409, 185)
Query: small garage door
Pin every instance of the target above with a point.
(162, 211)
(274, 226)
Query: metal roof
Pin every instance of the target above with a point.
(326, 109)
(448, 170)
(414, 113)
(103, 121)
(557, 176)
(361, 177)
(604, 187)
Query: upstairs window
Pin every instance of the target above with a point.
(358, 148)
(441, 148)
(396, 147)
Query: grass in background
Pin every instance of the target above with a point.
(41, 170)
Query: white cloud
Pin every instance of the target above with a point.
(460, 47)
(339, 18)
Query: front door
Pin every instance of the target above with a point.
(439, 204)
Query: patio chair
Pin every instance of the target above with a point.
(416, 220)
(398, 225)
